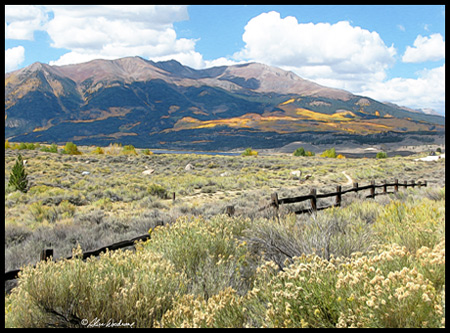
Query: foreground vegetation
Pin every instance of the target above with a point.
(372, 263)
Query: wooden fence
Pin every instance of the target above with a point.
(47, 253)
(275, 202)
(313, 196)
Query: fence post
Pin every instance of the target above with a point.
(413, 183)
(275, 200)
(372, 189)
(355, 186)
(275, 204)
(406, 184)
(339, 195)
(46, 253)
(230, 210)
(384, 186)
(425, 183)
(313, 199)
(396, 185)
(173, 197)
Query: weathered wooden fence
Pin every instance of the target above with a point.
(313, 196)
(47, 253)
(230, 211)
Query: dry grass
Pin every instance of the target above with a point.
(367, 264)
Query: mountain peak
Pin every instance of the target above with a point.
(253, 76)
(139, 101)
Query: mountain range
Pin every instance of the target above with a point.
(167, 105)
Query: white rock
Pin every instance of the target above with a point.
(296, 173)
(148, 172)
(84, 173)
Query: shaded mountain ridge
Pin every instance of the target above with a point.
(162, 104)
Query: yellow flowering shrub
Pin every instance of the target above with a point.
(374, 290)
(412, 224)
(224, 309)
(133, 287)
(198, 272)
(206, 251)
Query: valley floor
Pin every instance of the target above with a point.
(203, 263)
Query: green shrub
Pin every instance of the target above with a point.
(250, 152)
(71, 149)
(381, 154)
(18, 177)
(158, 191)
(300, 152)
(330, 153)
(22, 146)
(147, 152)
(98, 151)
(129, 150)
(52, 149)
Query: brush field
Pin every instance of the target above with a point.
(371, 263)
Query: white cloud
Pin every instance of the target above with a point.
(425, 49)
(222, 61)
(14, 57)
(343, 56)
(21, 21)
(337, 54)
(426, 91)
(110, 32)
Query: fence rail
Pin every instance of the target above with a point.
(313, 196)
(275, 202)
(47, 253)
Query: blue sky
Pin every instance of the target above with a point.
(390, 53)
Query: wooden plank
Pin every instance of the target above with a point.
(11, 275)
(294, 200)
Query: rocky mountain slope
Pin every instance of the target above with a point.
(168, 105)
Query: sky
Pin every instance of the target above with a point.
(389, 53)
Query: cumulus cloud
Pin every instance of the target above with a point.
(332, 54)
(22, 21)
(426, 91)
(110, 32)
(425, 49)
(14, 57)
(343, 56)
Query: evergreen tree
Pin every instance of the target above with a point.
(18, 176)
(300, 152)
